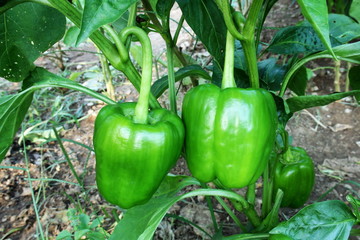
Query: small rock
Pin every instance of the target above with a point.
(358, 143)
(315, 88)
(348, 110)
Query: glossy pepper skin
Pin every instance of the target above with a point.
(131, 158)
(295, 175)
(229, 133)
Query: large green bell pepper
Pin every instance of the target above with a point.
(230, 133)
(295, 175)
(134, 147)
(132, 158)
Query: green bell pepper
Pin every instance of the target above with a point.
(230, 132)
(135, 148)
(295, 175)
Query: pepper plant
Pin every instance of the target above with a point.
(234, 126)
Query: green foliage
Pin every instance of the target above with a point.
(101, 12)
(323, 220)
(163, 8)
(24, 36)
(161, 84)
(303, 102)
(316, 13)
(12, 107)
(83, 228)
(71, 35)
(299, 80)
(354, 74)
(354, 10)
(15, 106)
(271, 74)
(205, 19)
(303, 39)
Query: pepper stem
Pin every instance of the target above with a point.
(228, 79)
(288, 157)
(142, 106)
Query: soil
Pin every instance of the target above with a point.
(330, 134)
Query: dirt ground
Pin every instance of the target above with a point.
(330, 134)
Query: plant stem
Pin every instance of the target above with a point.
(142, 106)
(251, 59)
(231, 214)
(188, 222)
(68, 159)
(135, 78)
(105, 46)
(123, 52)
(252, 215)
(297, 65)
(178, 29)
(250, 194)
(247, 37)
(211, 208)
(107, 77)
(337, 76)
(171, 77)
(247, 236)
(165, 36)
(347, 82)
(266, 194)
(228, 80)
(225, 8)
(248, 44)
(131, 22)
(36, 210)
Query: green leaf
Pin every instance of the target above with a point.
(297, 39)
(172, 184)
(343, 28)
(303, 39)
(144, 219)
(161, 84)
(302, 102)
(323, 220)
(354, 74)
(316, 13)
(348, 52)
(100, 12)
(71, 35)
(64, 235)
(121, 23)
(271, 74)
(83, 221)
(354, 10)
(13, 108)
(205, 18)
(80, 233)
(26, 31)
(163, 7)
(355, 204)
(299, 80)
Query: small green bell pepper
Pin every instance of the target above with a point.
(295, 175)
(135, 148)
